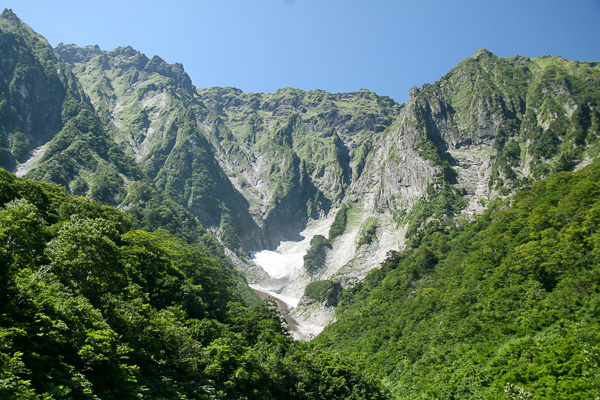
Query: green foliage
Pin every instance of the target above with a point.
(323, 291)
(503, 307)
(368, 232)
(360, 156)
(107, 186)
(91, 307)
(19, 146)
(83, 254)
(228, 234)
(156, 210)
(315, 257)
(22, 234)
(428, 151)
(338, 227)
(79, 187)
(442, 205)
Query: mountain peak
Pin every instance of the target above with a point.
(8, 13)
(9, 17)
(483, 53)
(11, 23)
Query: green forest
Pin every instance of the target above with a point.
(128, 228)
(94, 308)
(504, 307)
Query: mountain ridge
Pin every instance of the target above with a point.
(452, 239)
(258, 169)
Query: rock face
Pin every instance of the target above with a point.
(49, 129)
(293, 154)
(258, 169)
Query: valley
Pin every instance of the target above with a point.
(430, 247)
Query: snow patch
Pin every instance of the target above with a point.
(279, 265)
(292, 302)
(285, 265)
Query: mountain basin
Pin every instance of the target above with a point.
(285, 265)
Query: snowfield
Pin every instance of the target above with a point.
(285, 265)
(279, 265)
(292, 302)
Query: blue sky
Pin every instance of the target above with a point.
(336, 45)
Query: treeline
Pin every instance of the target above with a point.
(93, 308)
(505, 307)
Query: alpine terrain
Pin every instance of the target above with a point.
(456, 230)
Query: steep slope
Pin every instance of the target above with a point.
(49, 130)
(150, 109)
(539, 116)
(487, 128)
(294, 154)
(505, 306)
(492, 125)
(33, 88)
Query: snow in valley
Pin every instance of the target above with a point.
(285, 265)
(287, 278)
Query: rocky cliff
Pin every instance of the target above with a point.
(49, 129)
(263, 169)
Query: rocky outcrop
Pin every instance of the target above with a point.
(485, 129)
(258, 169)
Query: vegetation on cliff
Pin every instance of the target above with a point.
(314, 259)
(502, 307)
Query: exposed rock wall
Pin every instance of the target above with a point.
(256, 168)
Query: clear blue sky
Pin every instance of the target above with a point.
(336, 45)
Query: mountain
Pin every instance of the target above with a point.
(49, 128)
(263, 143)
(149, 108)
(491, 126)
(50, 131)
(293, 154)
(274, 171)
(253, 168)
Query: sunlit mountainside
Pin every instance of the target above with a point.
(441, 248)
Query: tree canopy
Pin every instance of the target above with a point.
(93, 308)
(504, 307)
